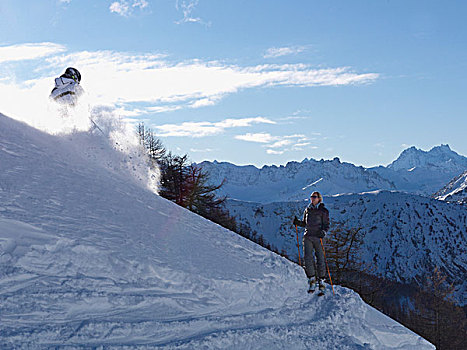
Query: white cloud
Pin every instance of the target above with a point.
(120, 8)
(294, 118)
(121, 78)
(150, 83)
(277, 144)
(271, 151)
(204, 102)
(163, 109)
(125, 7)
(203, 129)
(205, 150)
(283, 51)
(192, 129)
(288, 143)
(258, 137)
(235, 123)
(280, 143)
(29, 51)
(140, 3)
(187, 7)
(296, 136)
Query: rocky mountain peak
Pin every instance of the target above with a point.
(439, 156)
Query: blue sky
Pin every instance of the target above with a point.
(253, 82)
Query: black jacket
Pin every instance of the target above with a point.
(315, 221)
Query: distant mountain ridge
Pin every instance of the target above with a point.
(414, 171)
(455, 190)
(293, 181)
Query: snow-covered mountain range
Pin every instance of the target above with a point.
(415, 171)
(91, 257)
(406, 235)
(294, 181)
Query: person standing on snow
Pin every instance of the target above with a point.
(67, 88)
(316, 223)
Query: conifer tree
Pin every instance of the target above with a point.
(185, 183)
(153, 145)
(174, 171)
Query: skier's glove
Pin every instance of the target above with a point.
(296, 222)
(321, 234)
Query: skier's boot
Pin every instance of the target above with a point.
(321, 286)
(311, 284)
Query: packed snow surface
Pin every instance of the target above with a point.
(91, 257)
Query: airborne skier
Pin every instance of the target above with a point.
(316, 223)
(67, 88)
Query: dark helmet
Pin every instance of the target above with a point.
(72, 73)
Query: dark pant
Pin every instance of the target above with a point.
(310, 245)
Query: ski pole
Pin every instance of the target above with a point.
(321, 240)
(298, 247)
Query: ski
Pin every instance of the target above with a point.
(95, 126)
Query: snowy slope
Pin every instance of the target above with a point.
(455, 190)
(406, 235)
(91, 257)
(294, 181)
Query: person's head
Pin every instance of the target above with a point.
(72, 73)
(316, 198)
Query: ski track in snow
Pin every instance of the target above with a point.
(90, 258)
